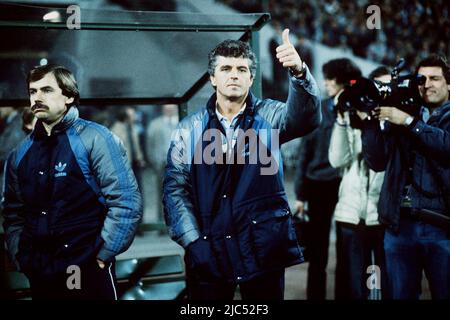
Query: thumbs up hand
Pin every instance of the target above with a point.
(288, 56)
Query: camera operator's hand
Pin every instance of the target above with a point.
(299, 207)
(343, 119)
(362, 115)
(289, 57)
(391, 114)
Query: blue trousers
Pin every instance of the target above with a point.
(416, 248)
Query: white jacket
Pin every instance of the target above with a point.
(360, 186)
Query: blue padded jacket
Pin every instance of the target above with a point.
(69, 197)
(238, 214)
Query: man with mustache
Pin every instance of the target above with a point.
(70, 201)
(415, 195)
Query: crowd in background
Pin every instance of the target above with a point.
(408, 28)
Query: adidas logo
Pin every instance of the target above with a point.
(60, 168)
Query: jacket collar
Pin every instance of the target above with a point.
(441, 111)
(70, 117)
(249, 109)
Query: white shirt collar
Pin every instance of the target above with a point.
(223, 118)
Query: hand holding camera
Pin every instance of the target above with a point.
(391, 114)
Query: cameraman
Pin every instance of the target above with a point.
(413, 204)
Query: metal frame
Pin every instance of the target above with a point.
(250, 34)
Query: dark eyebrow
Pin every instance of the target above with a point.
(42, 88)
(46, 88)
(229, 66)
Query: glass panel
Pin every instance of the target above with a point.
(111, 64)
(115, 54)
(14, 14)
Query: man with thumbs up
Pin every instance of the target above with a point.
(289, 57)
(232, 217)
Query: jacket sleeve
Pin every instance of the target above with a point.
(177, 198)
(374, 145)
(435, 141)
(301, 113)
(340, 153)
(118, 186)
(13, 209)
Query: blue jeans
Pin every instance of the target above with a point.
(418, 246)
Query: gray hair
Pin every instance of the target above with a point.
(235, 49)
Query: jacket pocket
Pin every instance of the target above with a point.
(274, 239)
(200, 259)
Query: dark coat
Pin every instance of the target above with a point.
(425, 147)
(69, 197)
(233, 218)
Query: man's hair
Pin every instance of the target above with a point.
(378, 72)
(342, 70)
(435, 60)
(65, 79)
(27, 118)
(235, 49)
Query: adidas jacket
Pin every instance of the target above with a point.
(69, 197)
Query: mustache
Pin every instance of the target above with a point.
(39, 106)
